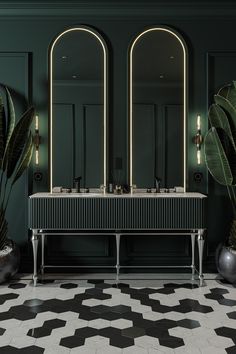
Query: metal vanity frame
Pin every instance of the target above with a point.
(42, 232)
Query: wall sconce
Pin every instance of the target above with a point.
(37, 140)
(198, 140)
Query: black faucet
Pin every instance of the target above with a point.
(157, 184)
(77, 183)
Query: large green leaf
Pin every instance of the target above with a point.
(230, 110)
(17, 141)
(11, 116)
(2, 129)
(25, 158)
(218, 119)
(229, 92)
(216, 160)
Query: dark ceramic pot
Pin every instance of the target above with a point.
(9, 260)
(226, 262)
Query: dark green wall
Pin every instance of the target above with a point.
(27, 29)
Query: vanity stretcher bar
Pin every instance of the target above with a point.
(141, 213)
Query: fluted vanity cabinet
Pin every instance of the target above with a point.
(136, 213)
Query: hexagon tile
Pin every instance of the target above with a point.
(97, 316)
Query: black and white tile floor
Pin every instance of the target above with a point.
(103, 317)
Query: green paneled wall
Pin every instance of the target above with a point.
(27, 29)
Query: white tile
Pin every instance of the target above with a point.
(135, 350)
(56, 349)
(211, 350)
(99, 323)
(84, 350)
(109, 350)
(147, 342)
(121, 323)
(21, 342)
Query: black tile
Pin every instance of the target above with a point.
(157, 332)
(109, 332)
(39, 332)
(110, 316)
(227, 302)
(86, 332)
(133, 332)
(232, 315)
(21, 313)
(5, 297)
(56, 323)
(231, 350)
(120, 309)
(226, 332)
(219, 291)
(100, 309)
(166, 324)
(187, 323)
(2, 330)
(142, 323)
(121, 342)
(27, 350)
(88, 316)
(171, 342)
(5, 316)
(72, 342)
(69, 286)
(17, 286)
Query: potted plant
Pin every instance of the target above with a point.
(220, 156)
(16, 147)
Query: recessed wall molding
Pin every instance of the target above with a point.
(118, 9)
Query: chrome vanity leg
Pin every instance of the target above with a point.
(200, 239)
(42, 249)
(35, 240)
(193, 237)
(117, 256)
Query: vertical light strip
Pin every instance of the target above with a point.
(104, 102)
(131, 101)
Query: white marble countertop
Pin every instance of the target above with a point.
(124, 195)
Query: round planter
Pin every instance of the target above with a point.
(226, 262)
(9, 260)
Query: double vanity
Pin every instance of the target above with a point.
(130, 214)
(80, 148)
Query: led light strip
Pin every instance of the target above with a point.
(83, 29)
(131, 100)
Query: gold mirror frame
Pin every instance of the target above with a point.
(105, 99)
(184, 47)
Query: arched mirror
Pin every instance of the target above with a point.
(78, 109)
(157, 109)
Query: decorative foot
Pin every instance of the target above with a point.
(34, 241)
(201, 241)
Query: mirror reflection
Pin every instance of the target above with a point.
(157, 110)
(78, 66)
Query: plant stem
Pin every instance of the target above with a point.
(232, 198)
(8, 197)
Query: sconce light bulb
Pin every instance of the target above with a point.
(36, 157)
(198, 122)
(36, 122)
(198, 157)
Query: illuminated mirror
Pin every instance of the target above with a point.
(78, 109)
(157, 109)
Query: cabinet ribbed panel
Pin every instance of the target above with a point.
(116, 213)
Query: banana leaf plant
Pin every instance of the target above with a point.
(220, 146)
(16, 148)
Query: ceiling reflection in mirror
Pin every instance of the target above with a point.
(157, 109)
(78, 115)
